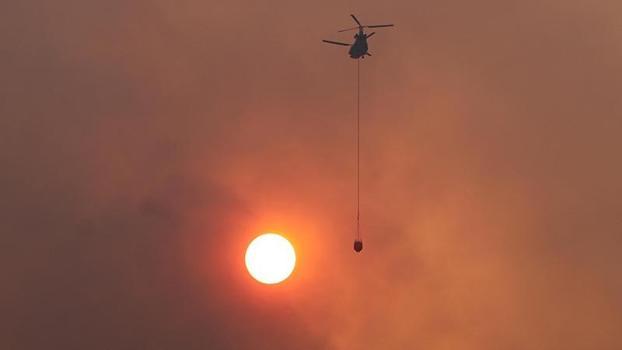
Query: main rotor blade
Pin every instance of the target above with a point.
(380, 26)
(345, 30)
(335, 42)
(370, 34)
(356, 20)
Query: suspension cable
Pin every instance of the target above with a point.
(358, 108)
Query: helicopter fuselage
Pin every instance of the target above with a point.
(359, 47)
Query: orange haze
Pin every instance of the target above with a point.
(145, 143)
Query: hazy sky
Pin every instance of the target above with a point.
(144, 143)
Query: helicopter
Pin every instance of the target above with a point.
(358, 49)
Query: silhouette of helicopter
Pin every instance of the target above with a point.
(359, 48)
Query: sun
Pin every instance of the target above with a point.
(270, 258)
